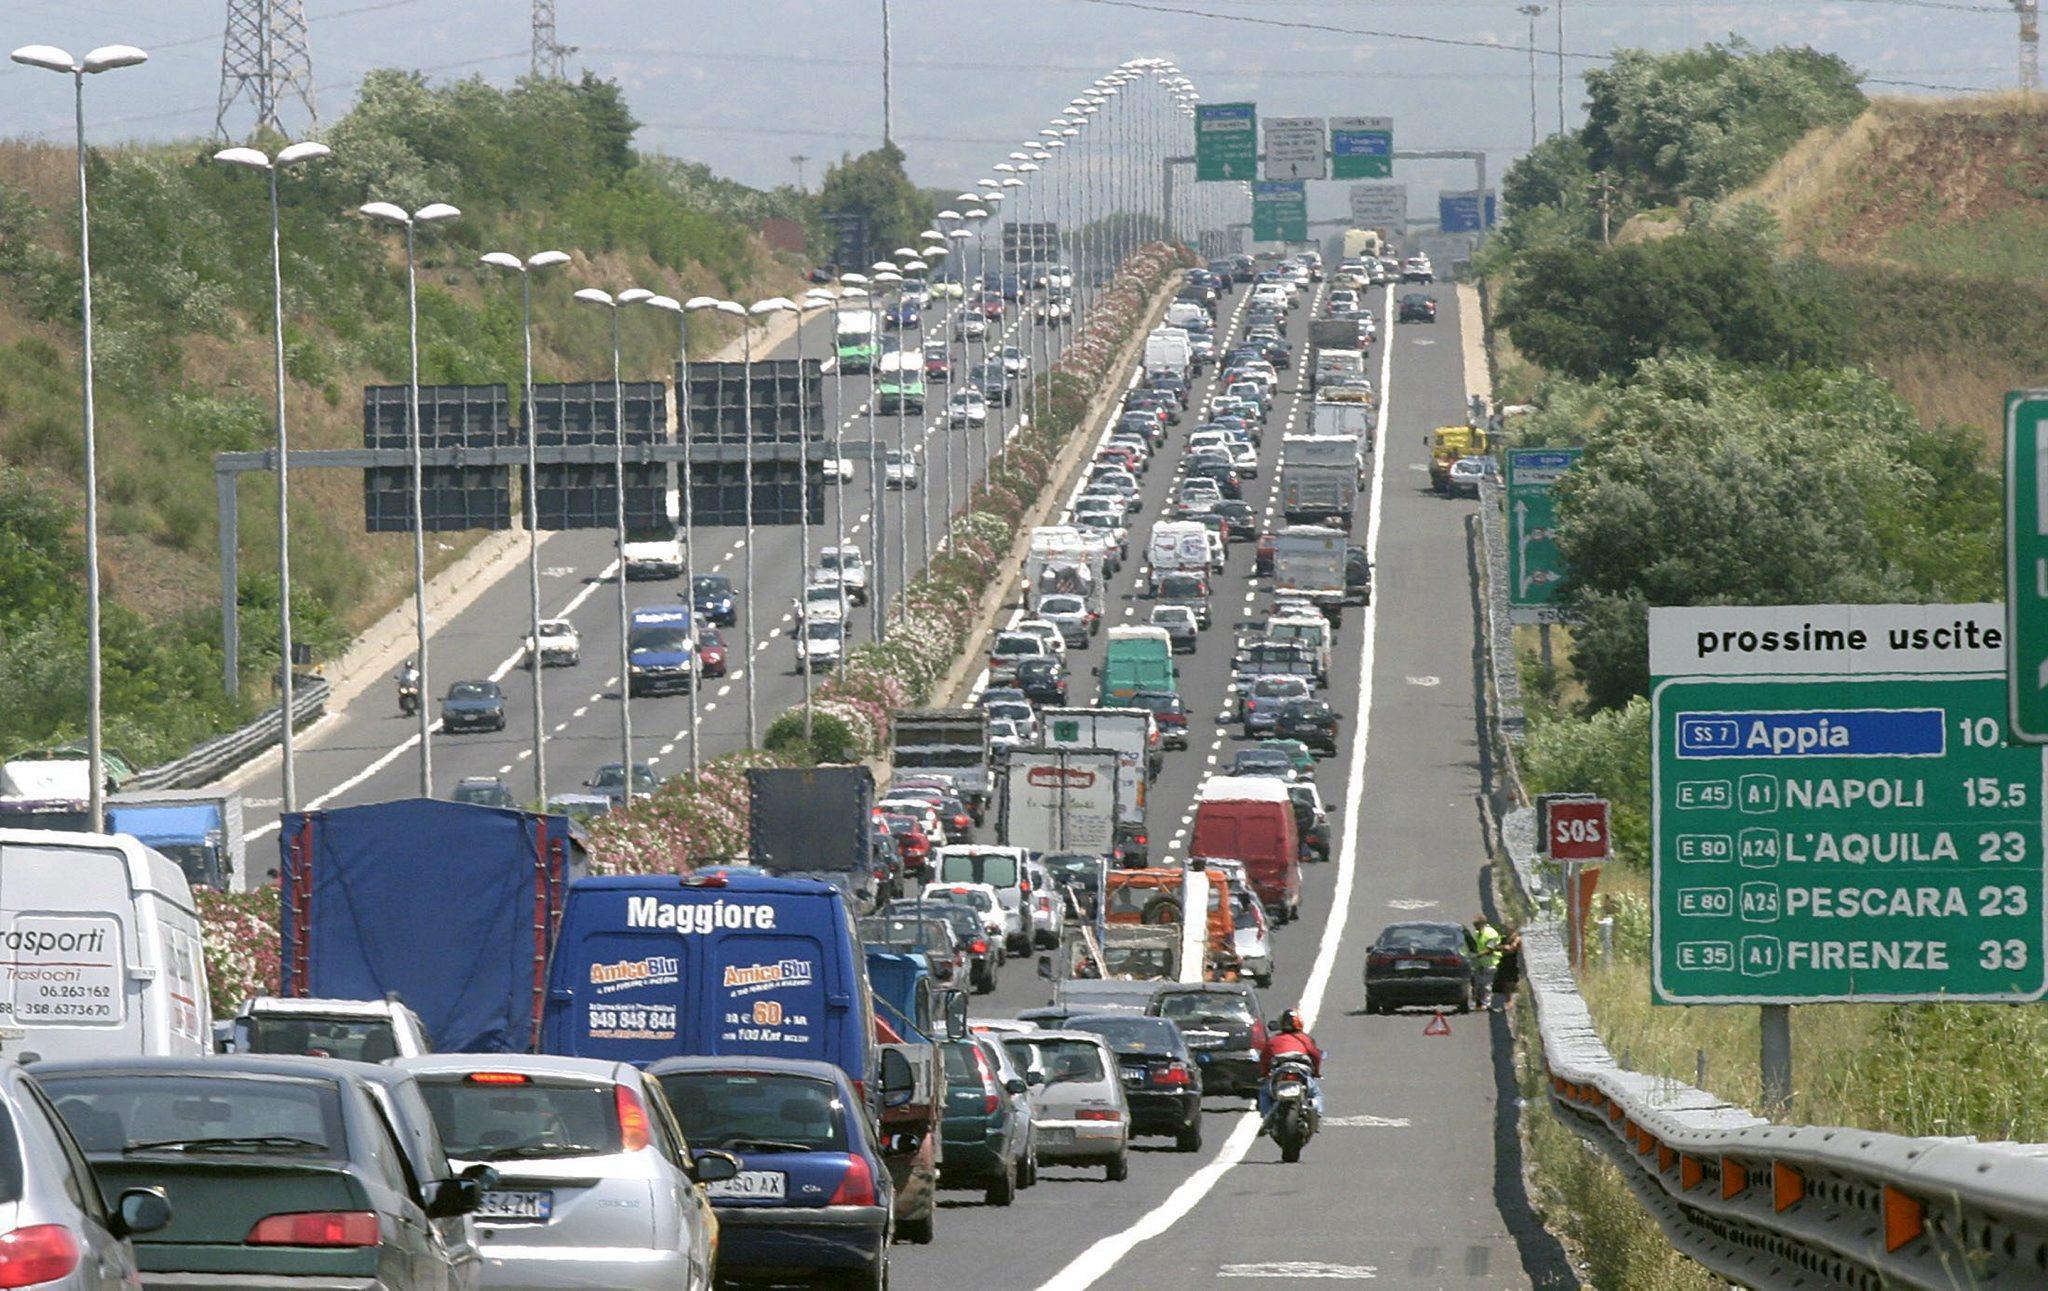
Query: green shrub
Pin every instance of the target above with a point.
(832, 739)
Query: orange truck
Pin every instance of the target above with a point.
(1157, 896)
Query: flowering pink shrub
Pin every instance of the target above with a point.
(238, 932)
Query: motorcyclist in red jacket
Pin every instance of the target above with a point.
(1290, 1037)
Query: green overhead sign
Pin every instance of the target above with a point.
(1227, 141)
(2026, 562)
(1535, 567)
(1837, 813)
(1280, 211)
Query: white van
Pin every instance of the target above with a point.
(1001, 868)
(99, 939)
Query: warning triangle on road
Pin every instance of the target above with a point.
(1438, 1025)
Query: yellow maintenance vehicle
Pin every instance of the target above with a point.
(1446, 445)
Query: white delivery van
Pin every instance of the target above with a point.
(1176, 546)
(99, 950)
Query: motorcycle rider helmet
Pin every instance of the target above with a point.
(1290, 1020)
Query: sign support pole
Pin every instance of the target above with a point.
(1776, 1054)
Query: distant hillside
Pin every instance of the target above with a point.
(1933, 219)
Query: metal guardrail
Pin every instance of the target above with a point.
(222, 754)
(1761, 1204)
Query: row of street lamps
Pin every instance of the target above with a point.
(1083, 193)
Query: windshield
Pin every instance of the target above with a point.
(609, 776)
(982, 901)
(506, 1116)
(1424, 936)
(823, 630)
(357, 1039)
(664, 640)
(1130, 1035)
(997, 869)
(741, 1110)
(470, 690)
(712, 585)
(1206, 1006)
(177, 1112)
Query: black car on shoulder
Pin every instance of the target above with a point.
(1423, 962)
(1312, 721)
(1162, 1083)
(1417, 308)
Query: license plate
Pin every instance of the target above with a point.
(1204, 1039)
(751, 1185)
(1411, 965)
(1134, 1076)
(1289, 1091)
(1057, 1135)
(506, 1203)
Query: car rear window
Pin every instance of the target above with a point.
(1062, 1061)
(1131, 1035)
(197, 1115)
(510, 1116)
(1427, 936)
(356, 1039)
(1022, 643)
(735, 1110)
(997, 869)
(1206, 1006)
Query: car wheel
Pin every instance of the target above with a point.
(1465, 999)
(1004, 1190)
(1029, 1177)
(918, 1232)
(1189, 1139)
(1118, 1170)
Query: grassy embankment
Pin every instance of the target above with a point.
(181, 284)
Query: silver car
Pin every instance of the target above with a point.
(581, 1147)
(1070, 614)
(1078, 1109)
(50, 1202)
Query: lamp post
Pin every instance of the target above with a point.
(611, 303)
(104, 59)
(952, 221)
(525, 268)
(930, 256)
(774, 304)
(254, 159)
(688, 490)
(850, 288)
(999, 421)
(975, 214)
(781, 304)
(889, 279)
(914, 359)
(433, 213)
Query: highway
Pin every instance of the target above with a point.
(1416, 1178)
(366, 751)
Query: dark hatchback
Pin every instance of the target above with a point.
(1170, 711)
(983, 955)
(932, 937)
(1162, 1084)
(1222, 1026)
(985, 1134)
(1419, 963)
(1417, 308)
(1311, 721)
(279, 1171)
(813, 1195)
(714, 599)
(473, 706)
(1043, 681)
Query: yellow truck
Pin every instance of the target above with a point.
(1446, 445)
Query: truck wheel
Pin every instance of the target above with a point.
(918, 1232)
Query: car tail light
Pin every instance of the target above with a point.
(1258, 1034)
(979, 946)
(1446, 961)
(498, 1078)
(857, 1187)
(38, 1253)
(316, 1228)
(990, 1097)
(633, 1130)
(1140, 840)
(1097, 1114)
(1174, 1076)
(1378, 960)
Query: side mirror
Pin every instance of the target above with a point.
(711, 1166)
(899, 1080)
(1045, 969)
(140, 1210)
(1033, 1078)
(1016, 1085)
(901, 1143)
(450, 1198)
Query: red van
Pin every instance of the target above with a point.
(1251, 819)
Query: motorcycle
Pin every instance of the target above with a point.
(409, 694)
(1293, 1121)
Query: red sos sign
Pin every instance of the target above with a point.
(1578, 830)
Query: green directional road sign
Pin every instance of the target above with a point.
(1226, 141)
(2026, 562)
(1535, 568)
(1280, 211)
(1361, 147)
(1837, 813)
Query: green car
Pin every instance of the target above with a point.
(276, 1169)
(986, 1125)
(1299, 754)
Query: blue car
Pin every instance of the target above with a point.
(715, 600)
(813, 1194)
(473, 706)
(904, 313)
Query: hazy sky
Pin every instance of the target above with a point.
(747, 86)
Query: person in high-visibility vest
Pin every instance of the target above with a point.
(1484, 944)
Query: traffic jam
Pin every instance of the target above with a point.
(1061, 932)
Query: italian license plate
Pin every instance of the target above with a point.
(1411, 965)
(1204, 1039)
(751, 1185)
(521, 1203)
(1134, 1076)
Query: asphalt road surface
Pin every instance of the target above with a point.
(366, 751)
(1415, 1179)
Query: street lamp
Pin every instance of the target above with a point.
(432, 213)
(254, 159)
(670, 305)
(784, 305)
(690, 306)
(104, 59)
(525, 268)
(611, 304)
(886, 276)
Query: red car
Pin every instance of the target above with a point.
(937, 366)
(991, 307)
(711, 652)
(1262, 560)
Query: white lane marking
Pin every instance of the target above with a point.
(1411, 903)
(1424, 681)
(1091, 1265)
(1291, 1269)
(1366, 1122)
